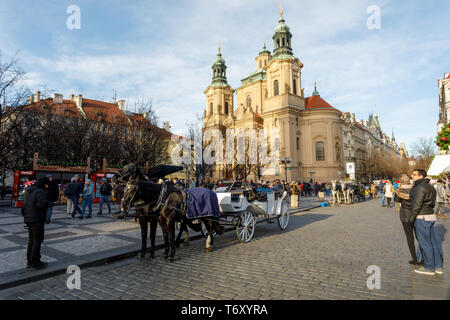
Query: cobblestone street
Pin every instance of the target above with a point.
(323, 254)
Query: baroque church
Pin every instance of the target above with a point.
(317, 138)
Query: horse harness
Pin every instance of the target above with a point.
(162, 199)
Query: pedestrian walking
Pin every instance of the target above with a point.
(105, 195)
(34, 212)
(52, 194)
(381, 189)
(75, 192)
(388, 188)
(423, 198)
(403, 195)
(68, 195)
(440, 198)
(87, 197)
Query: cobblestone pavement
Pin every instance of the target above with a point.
(73, 241)
(323, 254)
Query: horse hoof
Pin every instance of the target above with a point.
(186, 244)
(171, 259)
(141, 255)
(207, 250)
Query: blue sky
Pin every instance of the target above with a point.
(165, 49)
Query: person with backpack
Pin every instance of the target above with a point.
(105, 195)
(34, 212)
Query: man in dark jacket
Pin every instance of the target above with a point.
(52, 196)
(105, 195)
(76, 190)
(423, 197)
(34, 211)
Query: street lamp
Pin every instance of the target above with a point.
(285, 161)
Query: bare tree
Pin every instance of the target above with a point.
(424, 150)
(13, 134)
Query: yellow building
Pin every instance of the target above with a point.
(272, 98)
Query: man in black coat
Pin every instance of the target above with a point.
(52, 196)
(34, 212)
(423, 197)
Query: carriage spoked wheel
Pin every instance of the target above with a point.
(283, 218)
(246, 227)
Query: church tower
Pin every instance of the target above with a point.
(284, 87)
(219, 96)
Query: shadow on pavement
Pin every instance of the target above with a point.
(265, 229)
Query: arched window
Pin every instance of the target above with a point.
(249, 101)
(320, 151)
(211, 108)
(283, 42)
(260, 64)
(226, 107)
(298, 143)
(275, 88)
(294, 85)
(278, 43)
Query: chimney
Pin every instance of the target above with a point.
(72, 97)
(30, 99)
(79, 101)
(121, 105)
(166, 125)
(58, 98)
(37, 96)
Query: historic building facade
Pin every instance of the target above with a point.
(316, 137)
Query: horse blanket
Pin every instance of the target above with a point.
(202, 202)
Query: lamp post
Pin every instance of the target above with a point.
(285, 161)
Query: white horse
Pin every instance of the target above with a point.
(348, 193)
(336, 191)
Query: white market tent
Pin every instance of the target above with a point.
(439, 164)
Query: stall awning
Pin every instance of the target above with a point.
(439, 164)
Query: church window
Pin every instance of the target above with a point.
(278, 43)
(260, 64)
(211, 108)
(249, 101)
(283, 42)
(294, 86)
(298, 143)
(275, 88)
(226, 107)
(320, 151)
(296, 121)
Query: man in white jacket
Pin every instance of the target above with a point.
(388, 193)
(440, 199)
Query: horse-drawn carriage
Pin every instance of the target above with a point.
(234, 205)
(242, 205)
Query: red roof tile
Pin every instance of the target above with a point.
(103, 111)
(316, 102)
(67, 109)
